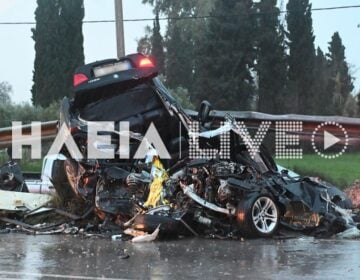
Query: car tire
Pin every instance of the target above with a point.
(71, 168)
(60, 180)
(258, 216)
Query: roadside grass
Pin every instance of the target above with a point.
(26, 164)
(342, 171)
(31, 166)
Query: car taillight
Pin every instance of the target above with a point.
(79, 79)
(145, 63)
(74, 130)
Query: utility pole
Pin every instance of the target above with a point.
(120, 40)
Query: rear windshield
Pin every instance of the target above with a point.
(122, 105)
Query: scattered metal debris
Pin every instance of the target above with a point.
(350, 233)
(353, 192)
(146, 237)
(11, 177)
(21, 201)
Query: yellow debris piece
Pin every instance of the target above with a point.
(159, 175)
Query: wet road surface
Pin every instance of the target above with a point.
(71, 257)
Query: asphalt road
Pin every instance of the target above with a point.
(71, 257)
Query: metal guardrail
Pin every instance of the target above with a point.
(252, 120)
(48, 132)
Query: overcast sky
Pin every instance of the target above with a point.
(17, 47)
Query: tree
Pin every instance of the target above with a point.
(350, 107)
(181, 38)
(5, 91)
(224, 74)
(169, 7)
(24, 111)
(5, 104)
(180, 45)
(46, 73)
(71, 49)
(302, 56)
(144, 43)
(322, 98)
(157, 45)
(341, 82)
(59, 48)
(182, 96)
(271, 58)
(179, 67)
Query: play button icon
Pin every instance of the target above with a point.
(330, 140)
(326, 144)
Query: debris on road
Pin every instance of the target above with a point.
(353, 192)
(350, 233)
(146, 237)
(21, 201)
(11, 177)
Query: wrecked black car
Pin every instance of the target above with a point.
(244, 195)
(11, 177)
